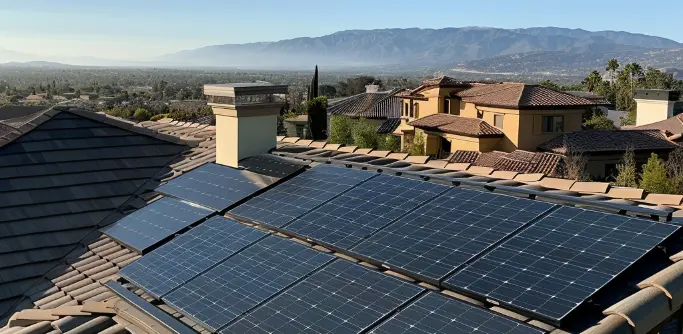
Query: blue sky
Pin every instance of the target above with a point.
(127, 29)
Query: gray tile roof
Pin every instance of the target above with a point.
(380, 105)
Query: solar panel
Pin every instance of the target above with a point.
(360, 212)
(245, 280)
(147, 226)
(272, 165)
(190, 254)
(293, 198)
(436, 313)
(215, 186)
(341, 298)
(448, 231)
(558, 262)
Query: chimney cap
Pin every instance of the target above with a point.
(371, 88)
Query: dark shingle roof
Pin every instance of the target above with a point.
(380, 105)
(521, 96)
(10, 112)
(464, 126)
(389, 125)
(608, 141)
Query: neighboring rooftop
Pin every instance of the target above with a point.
(457, 125)
(671, 126)
(521, 96)
(374, 105)
(520, 161)
(609, 141)
(9, 112)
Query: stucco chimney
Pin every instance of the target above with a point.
(371, 88)
(654, 105)
(246, 119)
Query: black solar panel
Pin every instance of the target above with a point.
(448, 231)
(245, 280)
(293, 198)
(147, 226)
(340, 298)
(190, 254)
(272, 165)
(436, 313)
(558, 262)
(216, 187)
(360, 212)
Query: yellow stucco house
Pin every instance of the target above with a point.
(484, 117)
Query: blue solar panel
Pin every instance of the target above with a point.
(190, 254)
(340, 298)
(245, 280)
(360, 212)
(551, 267)
(436, 313)
(295, 197)
(147, 226)
(448, 231)
(216, 187)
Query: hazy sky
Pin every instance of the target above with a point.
(127, 29)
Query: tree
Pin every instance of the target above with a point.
(633, 70)
(612, 67)
(364, 134)
(313, 88)
(674, 169)
(627, 170)
(340, 130)
(550, 85)
(592, 81)
(656, 79)
(317, 117)
(575, 163)
(599, 122)
(653, 178)
(142, 115)
(356, 85)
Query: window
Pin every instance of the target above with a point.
(446, 106)
(417, 110)
(552, 124)
(403, 109)
(498, 120)
(411, 110)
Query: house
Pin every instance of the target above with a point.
(70, 173)
(382, 108)
(655, 105)
(488, 116)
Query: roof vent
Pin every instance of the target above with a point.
(371, 88)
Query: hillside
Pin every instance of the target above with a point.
(423, 47)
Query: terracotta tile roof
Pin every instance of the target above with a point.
(608, 141)
(461, 156)
(444, 81)
(671, 126)
(532, 162)
(489, 159)
(464, 126)
(380, 105)
(521, 96)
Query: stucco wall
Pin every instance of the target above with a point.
(651, 111)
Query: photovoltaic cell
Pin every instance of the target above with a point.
(448, 231)
(216, 187)
(245, 280)
(360, 212)
(340, 298)
(436, 313)
(551, 267)
(147, 226)
(190, 254)
(280, 205)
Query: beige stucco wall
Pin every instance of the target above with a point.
(651, 111)
(241, 137)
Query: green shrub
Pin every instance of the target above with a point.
(389, 142)
(120, 113)
(654, 178)
(340, 130)
(317, 117)
(627, 170)
(416, 144)
(599, 122)
(142, 115)
(158, 117)
(364, 134)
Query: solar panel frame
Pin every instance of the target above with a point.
(447, 232)
(365, 209)
(242, 282)
(148, 226)
(556, 264)
(342, 297)
(190, 254)
(436, 313)
(215, 186)
(295, 197)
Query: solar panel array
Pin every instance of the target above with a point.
(554, 265)
(214, 186)
(155, 222)
(245, 280)
(340, 298)
(436, 313)
(190, 254)
(295, 197)
(360, 212)
(448, 231)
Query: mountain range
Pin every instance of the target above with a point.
(547, 50)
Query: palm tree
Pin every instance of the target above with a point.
(592, 81)
(633, 70)
(612, 67)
